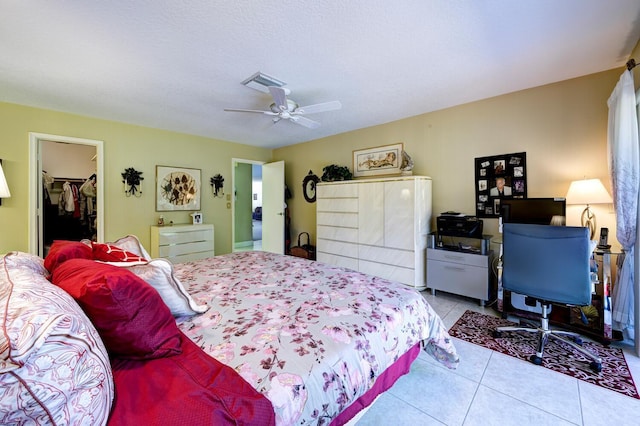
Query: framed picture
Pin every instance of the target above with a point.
(499, 177)
(381, 160)
(177, 188)
(196, 218)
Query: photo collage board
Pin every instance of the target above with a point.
(498, 177)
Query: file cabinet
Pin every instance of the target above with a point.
(465, 274)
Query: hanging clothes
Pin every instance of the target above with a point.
(47, 182)
(76, 201)
(66, 202)
(88, 189)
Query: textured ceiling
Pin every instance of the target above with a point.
(176, 65)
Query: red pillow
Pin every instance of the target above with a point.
(111, 253)
(129, 314)
(62, 251)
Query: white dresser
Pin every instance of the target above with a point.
(376, 226)
(182, 243)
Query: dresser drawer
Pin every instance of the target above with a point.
(341, 190)
(342, 261)
(403, 258)
(338, 205)
(389, 272)
(348, 220)
(457, 257)
(185, 248)
(337, 247)
(465, 280)
(197, 235)
(339, 234)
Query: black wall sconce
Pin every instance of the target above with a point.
(132, 180)
(217, 183)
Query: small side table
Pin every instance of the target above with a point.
(603, 288)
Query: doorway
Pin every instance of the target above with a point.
(47, 222)
(247, 205)
(272, 211)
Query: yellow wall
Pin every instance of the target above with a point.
(124, 146)
(562, 127)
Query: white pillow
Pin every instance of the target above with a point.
(159, 274)
(132, 244)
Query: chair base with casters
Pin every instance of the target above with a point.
(544, 333)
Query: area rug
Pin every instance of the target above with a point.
(478, 329)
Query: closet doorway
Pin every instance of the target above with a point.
(66, 190)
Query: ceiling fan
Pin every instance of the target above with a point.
(284, 108)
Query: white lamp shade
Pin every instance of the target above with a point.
(588, 191)
(4, 188)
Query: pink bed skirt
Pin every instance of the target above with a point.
(382, 384)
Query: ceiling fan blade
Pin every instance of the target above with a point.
(306, 122)
(279, 95)
(251, 110)
(312, 109)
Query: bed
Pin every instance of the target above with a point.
(311, 337)
(253, 337)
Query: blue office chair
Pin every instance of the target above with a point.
(548, 264)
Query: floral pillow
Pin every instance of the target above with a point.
(29, 264)
(129, 314)
(54, 367)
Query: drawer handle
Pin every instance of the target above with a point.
(455, 268)
(454, 257)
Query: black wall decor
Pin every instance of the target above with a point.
(498, 177)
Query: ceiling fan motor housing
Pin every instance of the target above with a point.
(291, 106)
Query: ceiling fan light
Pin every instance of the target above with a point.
(291, 105)
(261, 82)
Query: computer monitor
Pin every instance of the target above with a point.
(540, 211)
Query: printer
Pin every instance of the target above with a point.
(459, 225)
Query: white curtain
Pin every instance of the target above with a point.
(624, 165)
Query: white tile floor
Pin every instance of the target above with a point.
(490, 388)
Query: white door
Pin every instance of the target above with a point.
(273, 213)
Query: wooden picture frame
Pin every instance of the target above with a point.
(498, 177)
(376, 161)
(177, 188)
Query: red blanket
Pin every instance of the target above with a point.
(191, 388)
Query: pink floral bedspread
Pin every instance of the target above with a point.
(309, 336)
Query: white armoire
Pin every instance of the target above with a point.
(376, 226)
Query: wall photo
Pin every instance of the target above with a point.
(177, 188)
(498, 177)
(381, 160)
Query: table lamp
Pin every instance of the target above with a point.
(588, 191)
(4, 188)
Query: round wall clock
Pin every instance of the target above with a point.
(309, 187)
